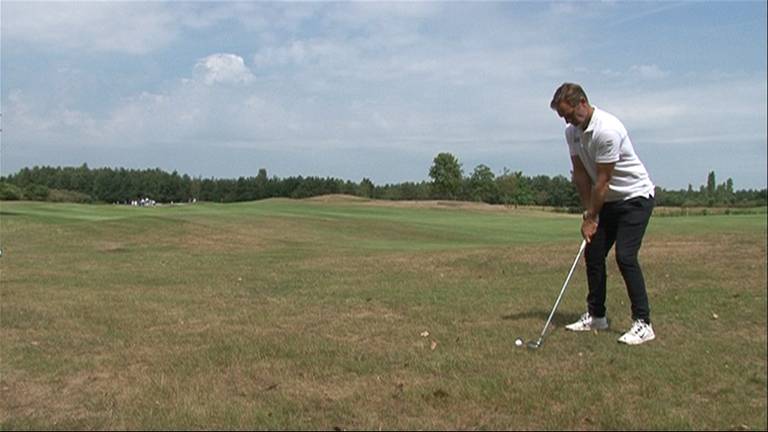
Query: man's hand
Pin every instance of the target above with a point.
(597, 195)
(588, 227)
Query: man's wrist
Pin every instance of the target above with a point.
(587, 215)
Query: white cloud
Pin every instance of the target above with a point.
(394, 77)
(699, 104)
(634, 72)
(655, 9)
(29, 122)
(127, 27)
(224, 68)
(648, 71)
(305, 52)
(141, 27)
(366, 13)
(565, 8)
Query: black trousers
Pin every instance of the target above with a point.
(622, 223)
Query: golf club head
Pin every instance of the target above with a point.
(534, 344)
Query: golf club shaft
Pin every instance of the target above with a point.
(562, 291)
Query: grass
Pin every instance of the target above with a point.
(287, 314)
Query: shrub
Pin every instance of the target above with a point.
(9, 192)
(35, 192)
(59, 195)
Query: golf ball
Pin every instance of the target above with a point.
(518, 342)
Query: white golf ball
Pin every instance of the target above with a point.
(518, 342)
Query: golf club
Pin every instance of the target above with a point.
(537, 344)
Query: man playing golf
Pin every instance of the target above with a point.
(617, 193)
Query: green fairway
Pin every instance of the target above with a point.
(284, 314)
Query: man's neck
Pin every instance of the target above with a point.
(588, 119)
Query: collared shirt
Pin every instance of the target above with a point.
(606, 141)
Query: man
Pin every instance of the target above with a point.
(618, 196)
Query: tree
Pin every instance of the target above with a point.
(242, 191)
(35, 192)
(729, 195)
(482, 185)
(366, 188)
(193, 187)
(9, 192)
(446, 176)
(711, 188)
(514, 188)
(563, 193)
(105, 185)
(711, 183)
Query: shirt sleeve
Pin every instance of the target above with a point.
(608, 147)
(573, 147)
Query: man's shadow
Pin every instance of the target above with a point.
(558, 320)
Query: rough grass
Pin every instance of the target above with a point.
(311, 314)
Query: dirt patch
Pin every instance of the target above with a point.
(111, 247)
(430, 204)
(64, 400)
(334, 198)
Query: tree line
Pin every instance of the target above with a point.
(448, 182)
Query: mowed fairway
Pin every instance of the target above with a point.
(342, 314)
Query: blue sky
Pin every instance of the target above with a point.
(377, 89)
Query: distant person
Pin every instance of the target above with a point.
(618, 196)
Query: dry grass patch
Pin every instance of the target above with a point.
(291, 315)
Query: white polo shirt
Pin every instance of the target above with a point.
(606, 141)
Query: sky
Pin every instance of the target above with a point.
(376, 90)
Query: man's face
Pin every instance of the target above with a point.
(577, 115)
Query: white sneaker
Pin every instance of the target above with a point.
(639, 333)
(587, 323)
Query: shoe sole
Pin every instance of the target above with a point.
(581, 329)
(639, 342)
(585, 329)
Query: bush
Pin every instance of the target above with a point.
(35, 192)
(9, 192)
(59, 195)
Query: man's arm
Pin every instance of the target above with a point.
(582, 182)
(597, 195)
